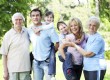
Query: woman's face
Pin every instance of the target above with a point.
(74, 27)
(92, 27)
(63, 28)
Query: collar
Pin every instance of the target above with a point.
(15, 32)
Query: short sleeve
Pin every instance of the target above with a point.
(96, 46)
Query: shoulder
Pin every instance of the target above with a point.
(99, 37)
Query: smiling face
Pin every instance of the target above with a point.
(93, 24)
(49, 19)
(63, 28)
(74, 27)
(36, 17)
(92, 27)
(18, 21)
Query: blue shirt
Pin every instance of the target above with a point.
(96, 45)
(42, 44)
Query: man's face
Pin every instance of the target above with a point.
(18, 21)
(36, 17)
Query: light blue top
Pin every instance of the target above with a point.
(41, 44)
(96, 45)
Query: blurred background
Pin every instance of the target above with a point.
(63, 10)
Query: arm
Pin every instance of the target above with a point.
(82, 51)
(56, 46)
(72, 44)
(45, 27)
(5, 69)
(61, 51)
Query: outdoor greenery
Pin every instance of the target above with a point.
(63, 10)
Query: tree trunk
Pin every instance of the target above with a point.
(97, 8)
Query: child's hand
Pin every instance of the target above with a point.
(78, 41)
(37, 31)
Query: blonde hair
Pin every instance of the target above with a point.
(79, 23)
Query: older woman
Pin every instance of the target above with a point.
(78, 36)
(93, 52)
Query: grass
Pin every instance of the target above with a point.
(59, 75)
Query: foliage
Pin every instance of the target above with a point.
(8, 8)
(107, 54)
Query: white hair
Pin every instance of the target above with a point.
(95, 19)
(17, 14)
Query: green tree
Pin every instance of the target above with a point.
(8, 8)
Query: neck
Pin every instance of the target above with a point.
(38, 24)
(18, 29)
(93, 33)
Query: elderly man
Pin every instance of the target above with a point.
(15, 51)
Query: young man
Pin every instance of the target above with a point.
(15, 51)
(41, 46)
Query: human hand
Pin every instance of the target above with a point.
(37, 31)
(78, 41)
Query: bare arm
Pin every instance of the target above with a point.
(56, 46)
(72, 44)
(82, 51)
(6, 73)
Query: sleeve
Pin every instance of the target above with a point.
(53, 35)
(45, 27)
(96, 46)
(70, 37)
(5, 45)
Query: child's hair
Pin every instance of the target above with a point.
(49, 13)
(60, 22)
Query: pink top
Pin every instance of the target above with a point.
(77, 57)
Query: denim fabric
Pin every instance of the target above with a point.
(52, 61)
(71, 71)
(60, 57)
(39, 69)
(67, 66)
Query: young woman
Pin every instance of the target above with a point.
(78, 36)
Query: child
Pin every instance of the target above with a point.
(78, 36)
(49, 18)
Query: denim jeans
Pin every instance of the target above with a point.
(39, 69)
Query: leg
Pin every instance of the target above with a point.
(13, 76)
(45, 66)
(24, 75)
(78, 71)
(37, 71)
(102, 74)
(90, 75)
